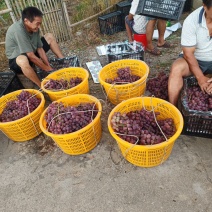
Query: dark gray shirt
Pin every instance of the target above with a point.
(19, 41)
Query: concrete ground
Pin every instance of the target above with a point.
(34, 177)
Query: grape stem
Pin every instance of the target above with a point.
(153, 111)
(127, 150)
(59, 114)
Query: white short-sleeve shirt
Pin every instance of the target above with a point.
(196, 34)
(140, 21)
(134, 6)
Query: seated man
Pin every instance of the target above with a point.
(137, 23)
(24, 47)
(197, 51)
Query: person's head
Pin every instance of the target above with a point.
(32, 18)
(207, 3)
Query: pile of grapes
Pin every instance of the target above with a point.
(62, 84)
(124, 76)
(142, 127)
(18, 108)
(67, 119)
(197, 100)
(158, 86)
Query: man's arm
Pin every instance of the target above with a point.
(209, 88)
(130, 17)
(38, 62)
(188, 53)
(43, 56)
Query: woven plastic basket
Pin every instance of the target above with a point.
(83, 140)
(118, 93)
(149, 155)
(67, 74)
(27, 127)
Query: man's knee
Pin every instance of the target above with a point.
(22, 60)
(49, 37)
(179, 68)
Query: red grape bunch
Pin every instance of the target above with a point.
(20, 107)
(62, 84)
(63, 119)
(158, 86)
(124, 76)
(197, 100)
(140, 127)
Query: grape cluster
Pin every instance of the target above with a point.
(63, 119)
(124, 76)
(19, 108)
(62, 84)
(158, 86)
(197, 100)
(141, 126)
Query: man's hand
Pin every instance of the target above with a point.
(49, 68)
(209, 88)
(203, 83)
(130, 17)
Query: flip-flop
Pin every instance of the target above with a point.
(154, 51)
(166, 45)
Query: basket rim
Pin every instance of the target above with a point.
(145, 147)
(142, 79)
(52, 135)
(27, 116)
(62, 70)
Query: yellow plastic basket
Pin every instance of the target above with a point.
(27, 127)
(83, 140)
(118, 93)
(67, 73)
(149, 155)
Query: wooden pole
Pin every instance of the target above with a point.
(5, 11)
(64, 22)
(58, 28)
(91, 17)
(66, 17)
(46, 17)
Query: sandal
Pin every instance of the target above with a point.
(166, 45)
(154, 51)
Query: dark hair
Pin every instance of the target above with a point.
(207, 3)
(30, 13)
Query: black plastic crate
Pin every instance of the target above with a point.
(111, 23)
(59, 64)
(119, 51)
(187, 6)
(196, 123)
(9, 82)
(124, 8)
(166, 9)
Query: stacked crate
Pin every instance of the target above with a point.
(115, 21)
(9, 82)
(196, 123)
(57, 63)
